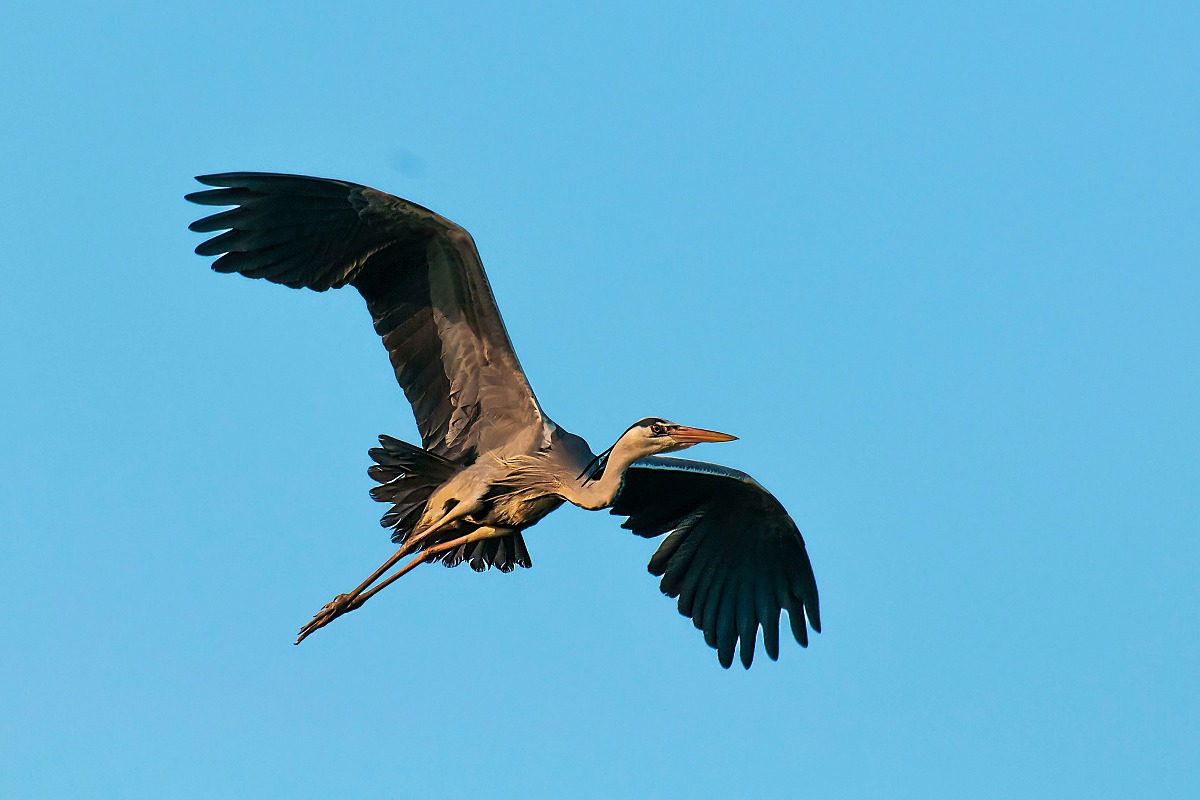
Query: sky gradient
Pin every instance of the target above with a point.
(936, 266)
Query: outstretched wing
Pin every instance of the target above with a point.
(734, 558)
(423, 282)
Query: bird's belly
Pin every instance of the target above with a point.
(521, 511)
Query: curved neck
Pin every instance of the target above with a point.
(601, 493)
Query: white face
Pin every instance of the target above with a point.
(656, 435)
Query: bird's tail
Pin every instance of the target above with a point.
(408, 476)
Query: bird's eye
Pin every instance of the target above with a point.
(657, 430)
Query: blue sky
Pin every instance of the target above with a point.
(935, 265)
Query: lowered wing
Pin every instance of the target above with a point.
(734, 557)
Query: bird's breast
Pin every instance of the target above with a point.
(522, 509)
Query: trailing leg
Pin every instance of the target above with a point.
(349, 601)
(345, 603)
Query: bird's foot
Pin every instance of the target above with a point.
(328, 613)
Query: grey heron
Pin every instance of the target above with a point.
(491, 462)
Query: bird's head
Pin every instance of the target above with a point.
(653, 435)
(649, 437)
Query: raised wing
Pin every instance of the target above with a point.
(423, 282)
(734, 558)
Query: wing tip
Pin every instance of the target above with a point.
(747, 651)
(221, 180)
(198, 198)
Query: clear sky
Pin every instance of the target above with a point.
(936, 266)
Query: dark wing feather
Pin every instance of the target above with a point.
(734, 557)
(423, 282)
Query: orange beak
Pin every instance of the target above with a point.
(687, 435)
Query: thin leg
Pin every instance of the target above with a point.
(350, 600)
(345, 603)
(474, 536)
(408, 547)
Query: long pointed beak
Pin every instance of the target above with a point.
(687, 435)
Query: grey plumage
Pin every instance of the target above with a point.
(492, 463)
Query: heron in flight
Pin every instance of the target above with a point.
(491, 462)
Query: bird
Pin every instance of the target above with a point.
(491, 461)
